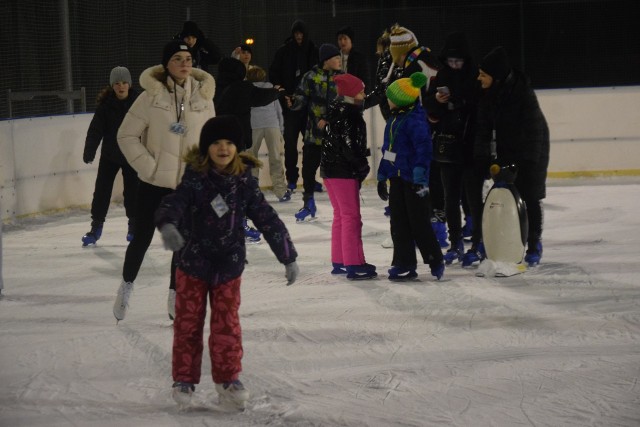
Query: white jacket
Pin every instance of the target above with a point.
(144, 136)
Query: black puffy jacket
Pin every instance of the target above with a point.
(344, 146)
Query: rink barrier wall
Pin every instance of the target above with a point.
(594, 132)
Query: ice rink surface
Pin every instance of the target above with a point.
(556, 346)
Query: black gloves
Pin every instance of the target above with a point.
(88, 157)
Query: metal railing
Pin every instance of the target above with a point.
(69, 96)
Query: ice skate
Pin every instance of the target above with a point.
(233, 394)
(285, 197)
(122, 300)
(440, 230)
(474, 256)
(251, 235)
(533, 256)
(338, 268)
(182, 392)
(92, 236)
(307, 213)
(402, 274)
(437, 271)
(455, 253)
(361, 272)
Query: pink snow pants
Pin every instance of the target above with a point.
(225, 340)
(346, 230)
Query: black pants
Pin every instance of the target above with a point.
(107, 171)
(294, 125)
(436, 190)
(147, 201)
(411, 226)
(311, 154)
(456, 180)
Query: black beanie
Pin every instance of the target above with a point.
(221, 127)
(347, 31)
(328, 51)
(190, 28)
(171, 48)
(496, 64)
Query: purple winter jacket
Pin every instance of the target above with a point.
(214, 250)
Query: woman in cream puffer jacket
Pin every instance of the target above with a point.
(159, 129)
(145, 137)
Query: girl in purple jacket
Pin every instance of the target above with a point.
(217, 191)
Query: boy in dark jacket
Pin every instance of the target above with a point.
(406, 158)
(216, 192)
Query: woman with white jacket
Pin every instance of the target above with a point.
(160, 127)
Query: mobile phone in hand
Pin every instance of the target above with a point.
(443, 90)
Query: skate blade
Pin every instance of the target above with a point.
(306, 220)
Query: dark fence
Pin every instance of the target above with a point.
(64, 45)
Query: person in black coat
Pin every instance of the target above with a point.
(509, 110)
(235, 95)
(353, 61)
(203, 51)
(291, 61)
(452, 102)
(113, 103)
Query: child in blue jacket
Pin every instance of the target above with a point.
(406, 158)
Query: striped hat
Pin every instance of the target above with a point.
(405, 91)
(402, 41)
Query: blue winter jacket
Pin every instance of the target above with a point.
(406, 134)
(215, 247)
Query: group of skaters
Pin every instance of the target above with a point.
(187, 145)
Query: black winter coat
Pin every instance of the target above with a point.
(104, 128)
(457, 117)
(291, 62)
(236, 96)
(522, 134)
(357, 66)
(344, 147)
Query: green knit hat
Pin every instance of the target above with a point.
(405, 91)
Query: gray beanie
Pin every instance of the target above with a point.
(119, 74)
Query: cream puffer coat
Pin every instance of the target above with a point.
(144, 136)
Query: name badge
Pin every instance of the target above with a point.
(219, 206)
(389, 155)
(178, 128)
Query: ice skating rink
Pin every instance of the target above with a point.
(556, 346)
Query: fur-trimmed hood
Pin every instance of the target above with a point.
(153, 79)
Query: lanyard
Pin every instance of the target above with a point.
(392, 134)
(175, 97)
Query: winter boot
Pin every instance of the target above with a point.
(361, 272)
(182, 392)
(233, 393)
(92, 236)
(475, 255)
(251, 235)
(308, 211)
(402, 274)
(533, 256)
(338, 268)
(292, 187)
(467, 229)
(455, 253)
(122, 300)
(437, 270)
